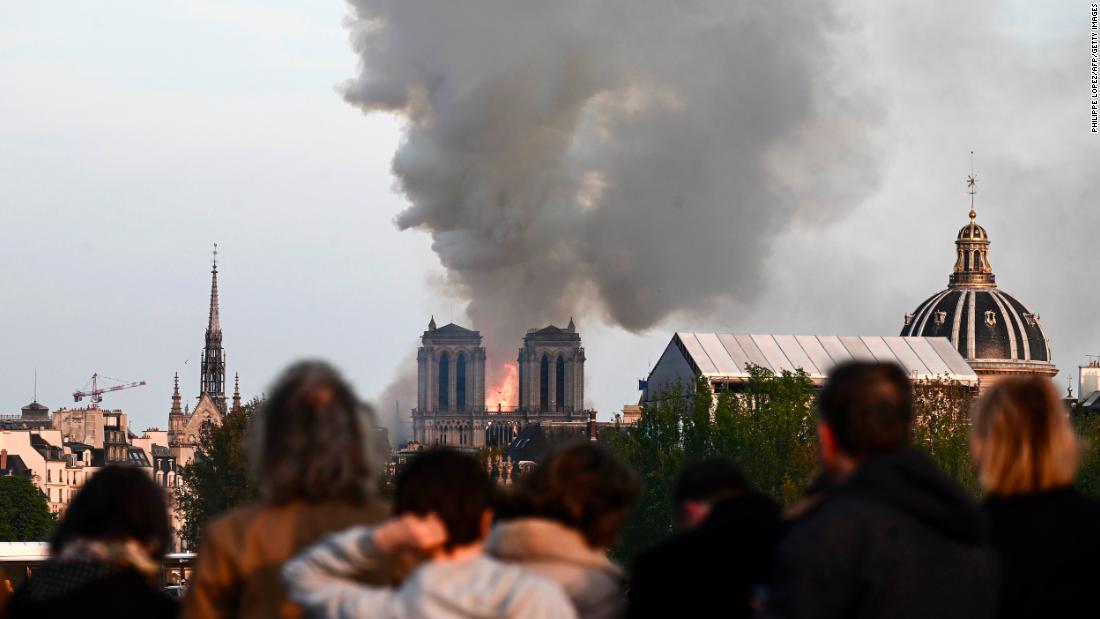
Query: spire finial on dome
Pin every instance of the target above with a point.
(972, 267)
(972, 183)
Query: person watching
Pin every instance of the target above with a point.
(1047, 534)
(893, 537)
(314, 460)
(105, 553)
(722, 555)
(571, 508)
(442, 503)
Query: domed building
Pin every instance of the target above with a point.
(996, 333)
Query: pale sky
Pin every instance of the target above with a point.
(135, 135)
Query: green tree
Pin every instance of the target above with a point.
(1088, 428)
(24, 514)
(767, 428)
(654, 449)
(217, 479)
(942, 409)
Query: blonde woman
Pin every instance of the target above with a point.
(1046, 533)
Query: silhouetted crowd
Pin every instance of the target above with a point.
(882, 532)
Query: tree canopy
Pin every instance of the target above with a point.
(768, 426)
(24, 513)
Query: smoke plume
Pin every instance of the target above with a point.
(629, 159)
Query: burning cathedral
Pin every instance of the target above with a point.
(453, 406)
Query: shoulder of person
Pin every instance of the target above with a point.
(835, 520)
(534, 586)
(665, 555)
(235, 520)
(375, 509)
(230, 528)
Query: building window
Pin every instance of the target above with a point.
(559, 384)
(444, 382)
(460, 382)
(544, 384)
(49, 475)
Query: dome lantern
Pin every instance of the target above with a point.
(996, 333)
(972, 268)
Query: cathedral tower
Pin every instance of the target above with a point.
(212, 381)
(451, 370)
(551, 371)
(450, 402)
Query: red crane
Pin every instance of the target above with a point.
(97, 394)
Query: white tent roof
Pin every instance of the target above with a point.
(726, 355)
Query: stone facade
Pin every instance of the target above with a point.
(450, 407)
(551, 371)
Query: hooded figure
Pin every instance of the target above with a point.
(722, 555)
(892, 536)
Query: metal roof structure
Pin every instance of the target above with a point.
(726, 355)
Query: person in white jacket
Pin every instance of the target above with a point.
(442, 499)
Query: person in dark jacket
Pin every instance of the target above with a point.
(1047, 534)
(105, 553)
(892, 536)
(712, 568)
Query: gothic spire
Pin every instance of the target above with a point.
(176, 410)
(236, 392)
(214, 324)
(213, 356)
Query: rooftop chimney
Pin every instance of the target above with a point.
(3, 459)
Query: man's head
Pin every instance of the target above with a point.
(703, 484)
(865, 409)
(451, 485)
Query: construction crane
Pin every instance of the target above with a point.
(96, 394)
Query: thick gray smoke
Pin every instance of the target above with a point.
(630, 158)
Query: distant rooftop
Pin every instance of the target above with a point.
(727, 355)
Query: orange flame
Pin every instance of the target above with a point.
(502, 394)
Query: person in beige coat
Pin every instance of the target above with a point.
(560, 522)
(313, 459)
